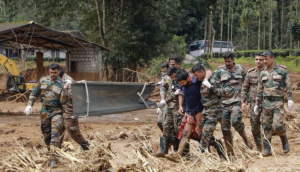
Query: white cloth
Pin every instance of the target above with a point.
(177, 92)
(28, 110)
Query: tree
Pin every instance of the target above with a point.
(248, 14)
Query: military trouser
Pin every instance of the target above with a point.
(52, 128)
(272, 118)
(172, 122)
(72, 127)
(210, 119)
(160, 118)
(255, 124)
(232, 114)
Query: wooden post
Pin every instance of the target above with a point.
(124, 75)
(40, 65)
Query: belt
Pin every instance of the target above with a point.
(273, 98)
(51, 107)
(211, 107)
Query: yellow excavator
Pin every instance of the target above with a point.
(15, 82)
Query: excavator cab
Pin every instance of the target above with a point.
(16, 84)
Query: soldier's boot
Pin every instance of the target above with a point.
(285, 144)
(228, 142)
(85, 147)
(53, 163)
(175, 143)
(258, 143)
(246, 139)
(165, 141)
(267, 148)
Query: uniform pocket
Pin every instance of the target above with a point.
(224, 77)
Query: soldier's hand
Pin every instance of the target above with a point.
(158, 111)
(255, 109)
(28, 110)
(177, 92)
(206, 83)
(244, 106)
(67, 83)
(291, 104)
(161, 104)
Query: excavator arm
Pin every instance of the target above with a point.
(15, 81)
(9, 65)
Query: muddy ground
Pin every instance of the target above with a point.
(20, 133)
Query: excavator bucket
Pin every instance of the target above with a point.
(99, 98)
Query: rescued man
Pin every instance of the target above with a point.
(248, 95)
(192, 119)
(231, 77)
(70, 120)
(172, 119)
(50, 89)
(273, 82)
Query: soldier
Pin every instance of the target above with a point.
(50, 89)
(70, 120)
(160, 113)
(211, 113)
(249, 88)
(272, 83)
(231, 77)
(172, 118)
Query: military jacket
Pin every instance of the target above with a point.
(170, 87)
(250, 85)
(274, 83)
(50, 92)
(230, 83)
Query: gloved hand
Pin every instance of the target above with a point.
(28, 110)
(177, 92)
(291, 104)
(68, 83)
(206, 83)
(255, 109)
(158, 111)
(161, 104)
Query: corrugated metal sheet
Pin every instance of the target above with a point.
(109, 97)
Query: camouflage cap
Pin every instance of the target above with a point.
(267, 53)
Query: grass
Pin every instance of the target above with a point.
(289, 62)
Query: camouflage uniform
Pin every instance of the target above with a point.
(230, 92)
(51, 113)
(172, 119)
(71, 121)
(248, 94)
(270, 92)
(211, 113)
(231, 82)
(161, 114)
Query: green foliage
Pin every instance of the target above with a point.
(175, 46)
(251, 53)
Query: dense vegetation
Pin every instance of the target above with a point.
(140, 30)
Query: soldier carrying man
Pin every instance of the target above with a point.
(273, 82)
